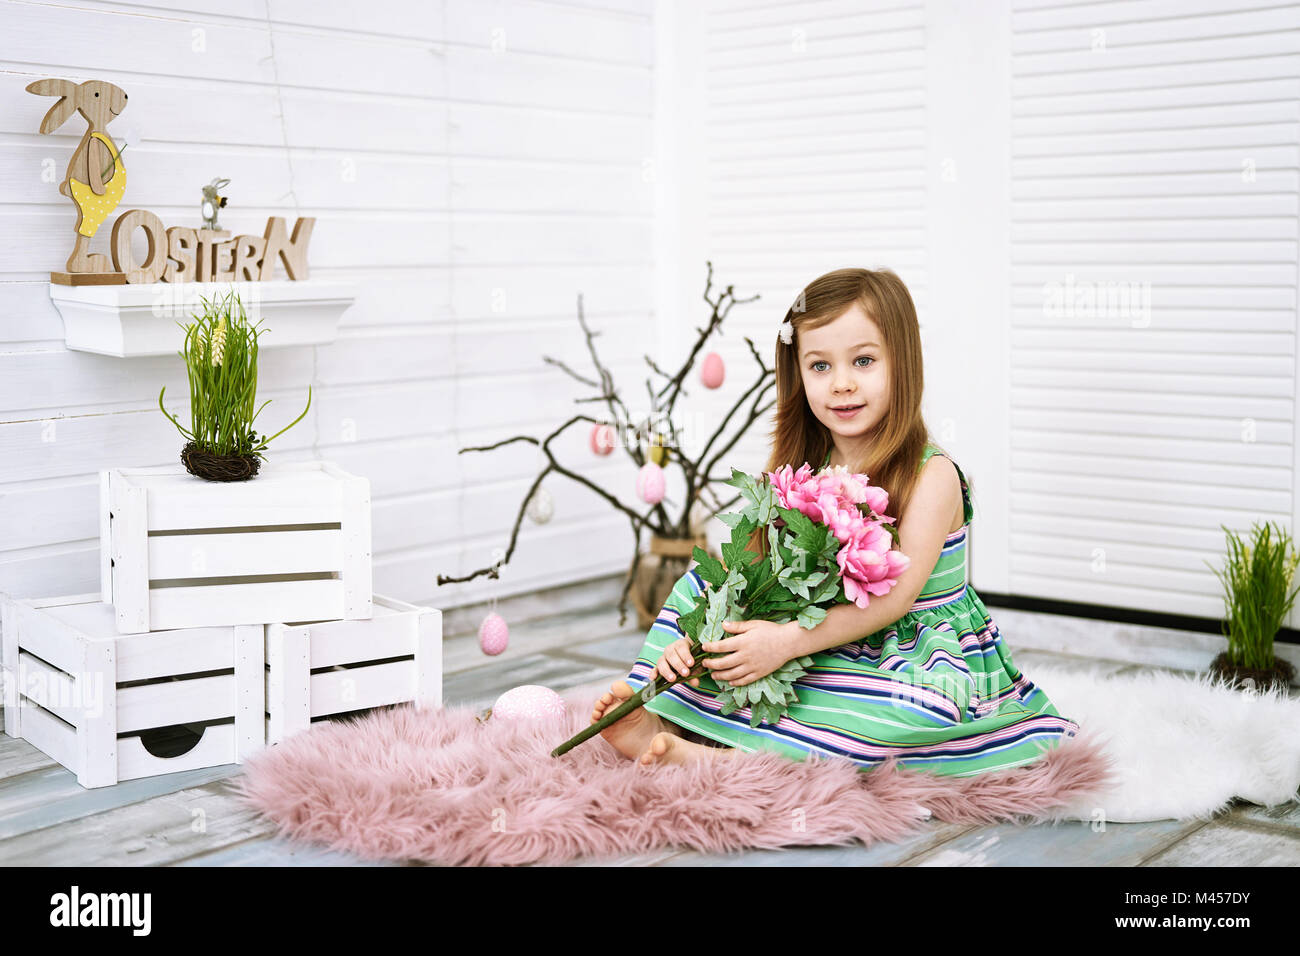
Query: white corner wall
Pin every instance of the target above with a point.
(474, 166)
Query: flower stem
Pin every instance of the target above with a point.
(638, 699)
(660, 685)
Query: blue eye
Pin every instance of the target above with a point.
(867, 357)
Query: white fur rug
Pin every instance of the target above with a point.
(1183, 746)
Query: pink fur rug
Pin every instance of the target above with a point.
(436, 785)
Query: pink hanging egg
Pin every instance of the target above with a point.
(650, 483)
(529, 702)
(603, 439)
(712, 372)
(493, 635)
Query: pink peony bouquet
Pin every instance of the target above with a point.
(854, 511)
(829, 542)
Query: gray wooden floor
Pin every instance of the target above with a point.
(189, 818)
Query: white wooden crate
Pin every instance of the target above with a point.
(178, 551)
(334, 667)
(97, 701)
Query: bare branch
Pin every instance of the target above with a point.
(581, 378)
(637, 520)
(637, 434)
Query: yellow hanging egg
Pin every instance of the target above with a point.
(657, 452)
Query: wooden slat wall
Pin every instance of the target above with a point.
(1155, 151)
(810, 145)
(472, 166)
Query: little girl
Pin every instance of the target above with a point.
(931, 683)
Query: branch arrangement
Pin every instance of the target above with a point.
(697, 471)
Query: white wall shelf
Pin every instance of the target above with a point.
(130, 320)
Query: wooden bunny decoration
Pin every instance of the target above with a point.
(96, 178)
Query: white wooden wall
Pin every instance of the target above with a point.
(800, 147)
(991, 153)
(472, 165)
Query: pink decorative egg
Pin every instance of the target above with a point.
(493, 635)
(603, 439)
(529, 702)
(712, 372)
(650, 483)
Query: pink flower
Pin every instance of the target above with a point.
(844, 522)
(854, 487)
(868, 564)
(839, 480)
(877, 499)
(795, 491)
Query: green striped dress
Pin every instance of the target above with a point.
(936, 690)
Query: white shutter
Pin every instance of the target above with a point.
(815, 125)
(1154, 151)
(803, 150)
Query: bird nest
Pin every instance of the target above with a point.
(1279, 676)
(202, 463)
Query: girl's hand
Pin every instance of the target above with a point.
(676, 661)
(757, 649)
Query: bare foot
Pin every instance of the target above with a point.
(669, 748)
(633, 733)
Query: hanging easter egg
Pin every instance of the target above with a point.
(493, 635)
(603, 439)
(658, 452)
(529, 702)
(541, 506)
(650, 483)
(712, 372)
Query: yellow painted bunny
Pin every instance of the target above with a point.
(95, 196)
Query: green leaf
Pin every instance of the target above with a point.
(796, 582)
(740, 534)
(751, 490)
(811, 616)
(766, 503)
(832, 589)
(738, 478)
(709, 567)
(735, 555)
(691, 621)
(774, 549)
(787, 553)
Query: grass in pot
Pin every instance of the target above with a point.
(1258, 595)
(220, 354)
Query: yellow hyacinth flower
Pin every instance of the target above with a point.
(218, 341)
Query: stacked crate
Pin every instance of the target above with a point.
(238, 610)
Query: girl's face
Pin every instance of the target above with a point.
(844, 364)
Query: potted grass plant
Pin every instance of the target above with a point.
(220, 354)
(1257, 597)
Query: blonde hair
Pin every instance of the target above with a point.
(901, 436)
